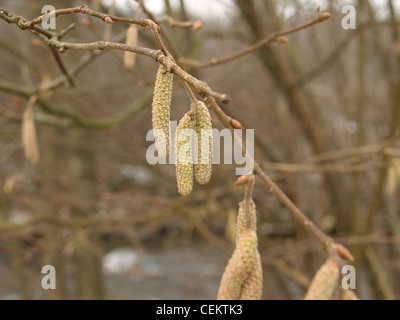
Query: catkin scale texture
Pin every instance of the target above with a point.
(325, 282)
(252, 288)
(241, 221)
(184, 154)
(204, 143)
(161, 110)
(239, 267)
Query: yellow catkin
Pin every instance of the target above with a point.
(184, 154)
(325, 282)
(131, 39)
(230, 228)
(161, 110)
(239, 267)
(252, 288)
(241, 221)
(29, 139)
(204, 142)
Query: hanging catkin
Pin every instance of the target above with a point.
(252, 288)
(184, 154)
(131, 39)
(28, 136)
(239, 268)
(325, 282)
(204, 142)
(161, 110)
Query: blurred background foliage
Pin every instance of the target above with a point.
(325, 110)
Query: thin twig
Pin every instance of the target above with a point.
(65, 31)
(163, 56)
(60, 64)
(181, 24)
(189, 91)
(326, 241)
(272, 38)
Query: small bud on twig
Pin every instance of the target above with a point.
(343, 252)
(324, 16)
(282, 39)
(242, 180)
(236, 124)
(108, 20)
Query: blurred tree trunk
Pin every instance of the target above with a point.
(52, 156)
(88, 273)
(301, 103)
(87, 259)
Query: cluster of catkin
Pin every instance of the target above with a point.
(195, 126)
(325, 284)
(243, 277)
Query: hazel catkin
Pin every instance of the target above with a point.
(184, 154)
(161, 110)
(204, 143)
(252, 288)
(239, 270)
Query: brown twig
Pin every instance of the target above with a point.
(163, 56)
(60, 64)
(326, 241)
(181, 24)
(272, 38)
